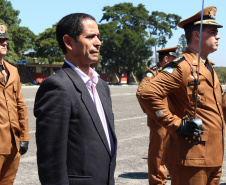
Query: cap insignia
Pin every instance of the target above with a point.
(213, 12)
(2, 29)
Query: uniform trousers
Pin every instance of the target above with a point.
(187, 175)
(9, 166)
(157, 174)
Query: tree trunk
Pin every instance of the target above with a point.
(120, 77)
(128, 76)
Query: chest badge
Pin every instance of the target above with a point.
(199, 97)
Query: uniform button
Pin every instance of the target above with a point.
(7, 99)
(222, 116)
(217, 103)
(9, 110)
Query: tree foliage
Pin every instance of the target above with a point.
(161, 26)
(21, 39)
(182, 44)
(129, 35)
(221, 73)
(7, 14)
(125, 41)
(46, 46)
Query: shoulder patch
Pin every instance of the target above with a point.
(177, 60)
(149, 74)
(169, 69)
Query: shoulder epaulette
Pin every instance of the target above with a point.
(177, 60)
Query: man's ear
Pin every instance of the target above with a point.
(165, 59)
(196, 35)
(68, 41)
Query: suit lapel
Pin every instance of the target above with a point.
(88, 102)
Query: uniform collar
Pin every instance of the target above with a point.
(195, 61)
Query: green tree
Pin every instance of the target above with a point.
(46, 46)
(182, 44)
(21, 39)
(221, 73)
(125, 42)
(161, 26)
(7, 14)
(129, 35)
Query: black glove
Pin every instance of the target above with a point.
(23, 147)
(190, 128)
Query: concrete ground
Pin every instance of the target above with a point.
(131, 130)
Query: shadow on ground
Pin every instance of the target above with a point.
(134, 175)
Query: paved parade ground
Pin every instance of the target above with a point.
(132, 133)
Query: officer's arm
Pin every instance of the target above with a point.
(152, 96)
(148, 77)
(22, 112)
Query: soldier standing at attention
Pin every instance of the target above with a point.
(194, 154)
(158, 135)
(14, 134)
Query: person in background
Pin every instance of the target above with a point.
(14, 133)
(157, 173)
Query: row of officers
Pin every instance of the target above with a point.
(75, 135)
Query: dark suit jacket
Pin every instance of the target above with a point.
(71, 144)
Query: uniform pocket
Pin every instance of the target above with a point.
(193, 152)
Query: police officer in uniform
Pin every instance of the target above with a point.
(194, 151)
(158, 135)
(14, 134)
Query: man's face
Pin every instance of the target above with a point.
(3, 47)
(166, 60)
(86, 48)
(210, 39)
(170, 58)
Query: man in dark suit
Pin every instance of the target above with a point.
(76, 142)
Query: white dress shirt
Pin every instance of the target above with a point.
(91, 82)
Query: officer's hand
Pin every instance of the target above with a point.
(189, 128)
(23, 147)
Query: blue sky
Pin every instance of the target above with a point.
(42, 14)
